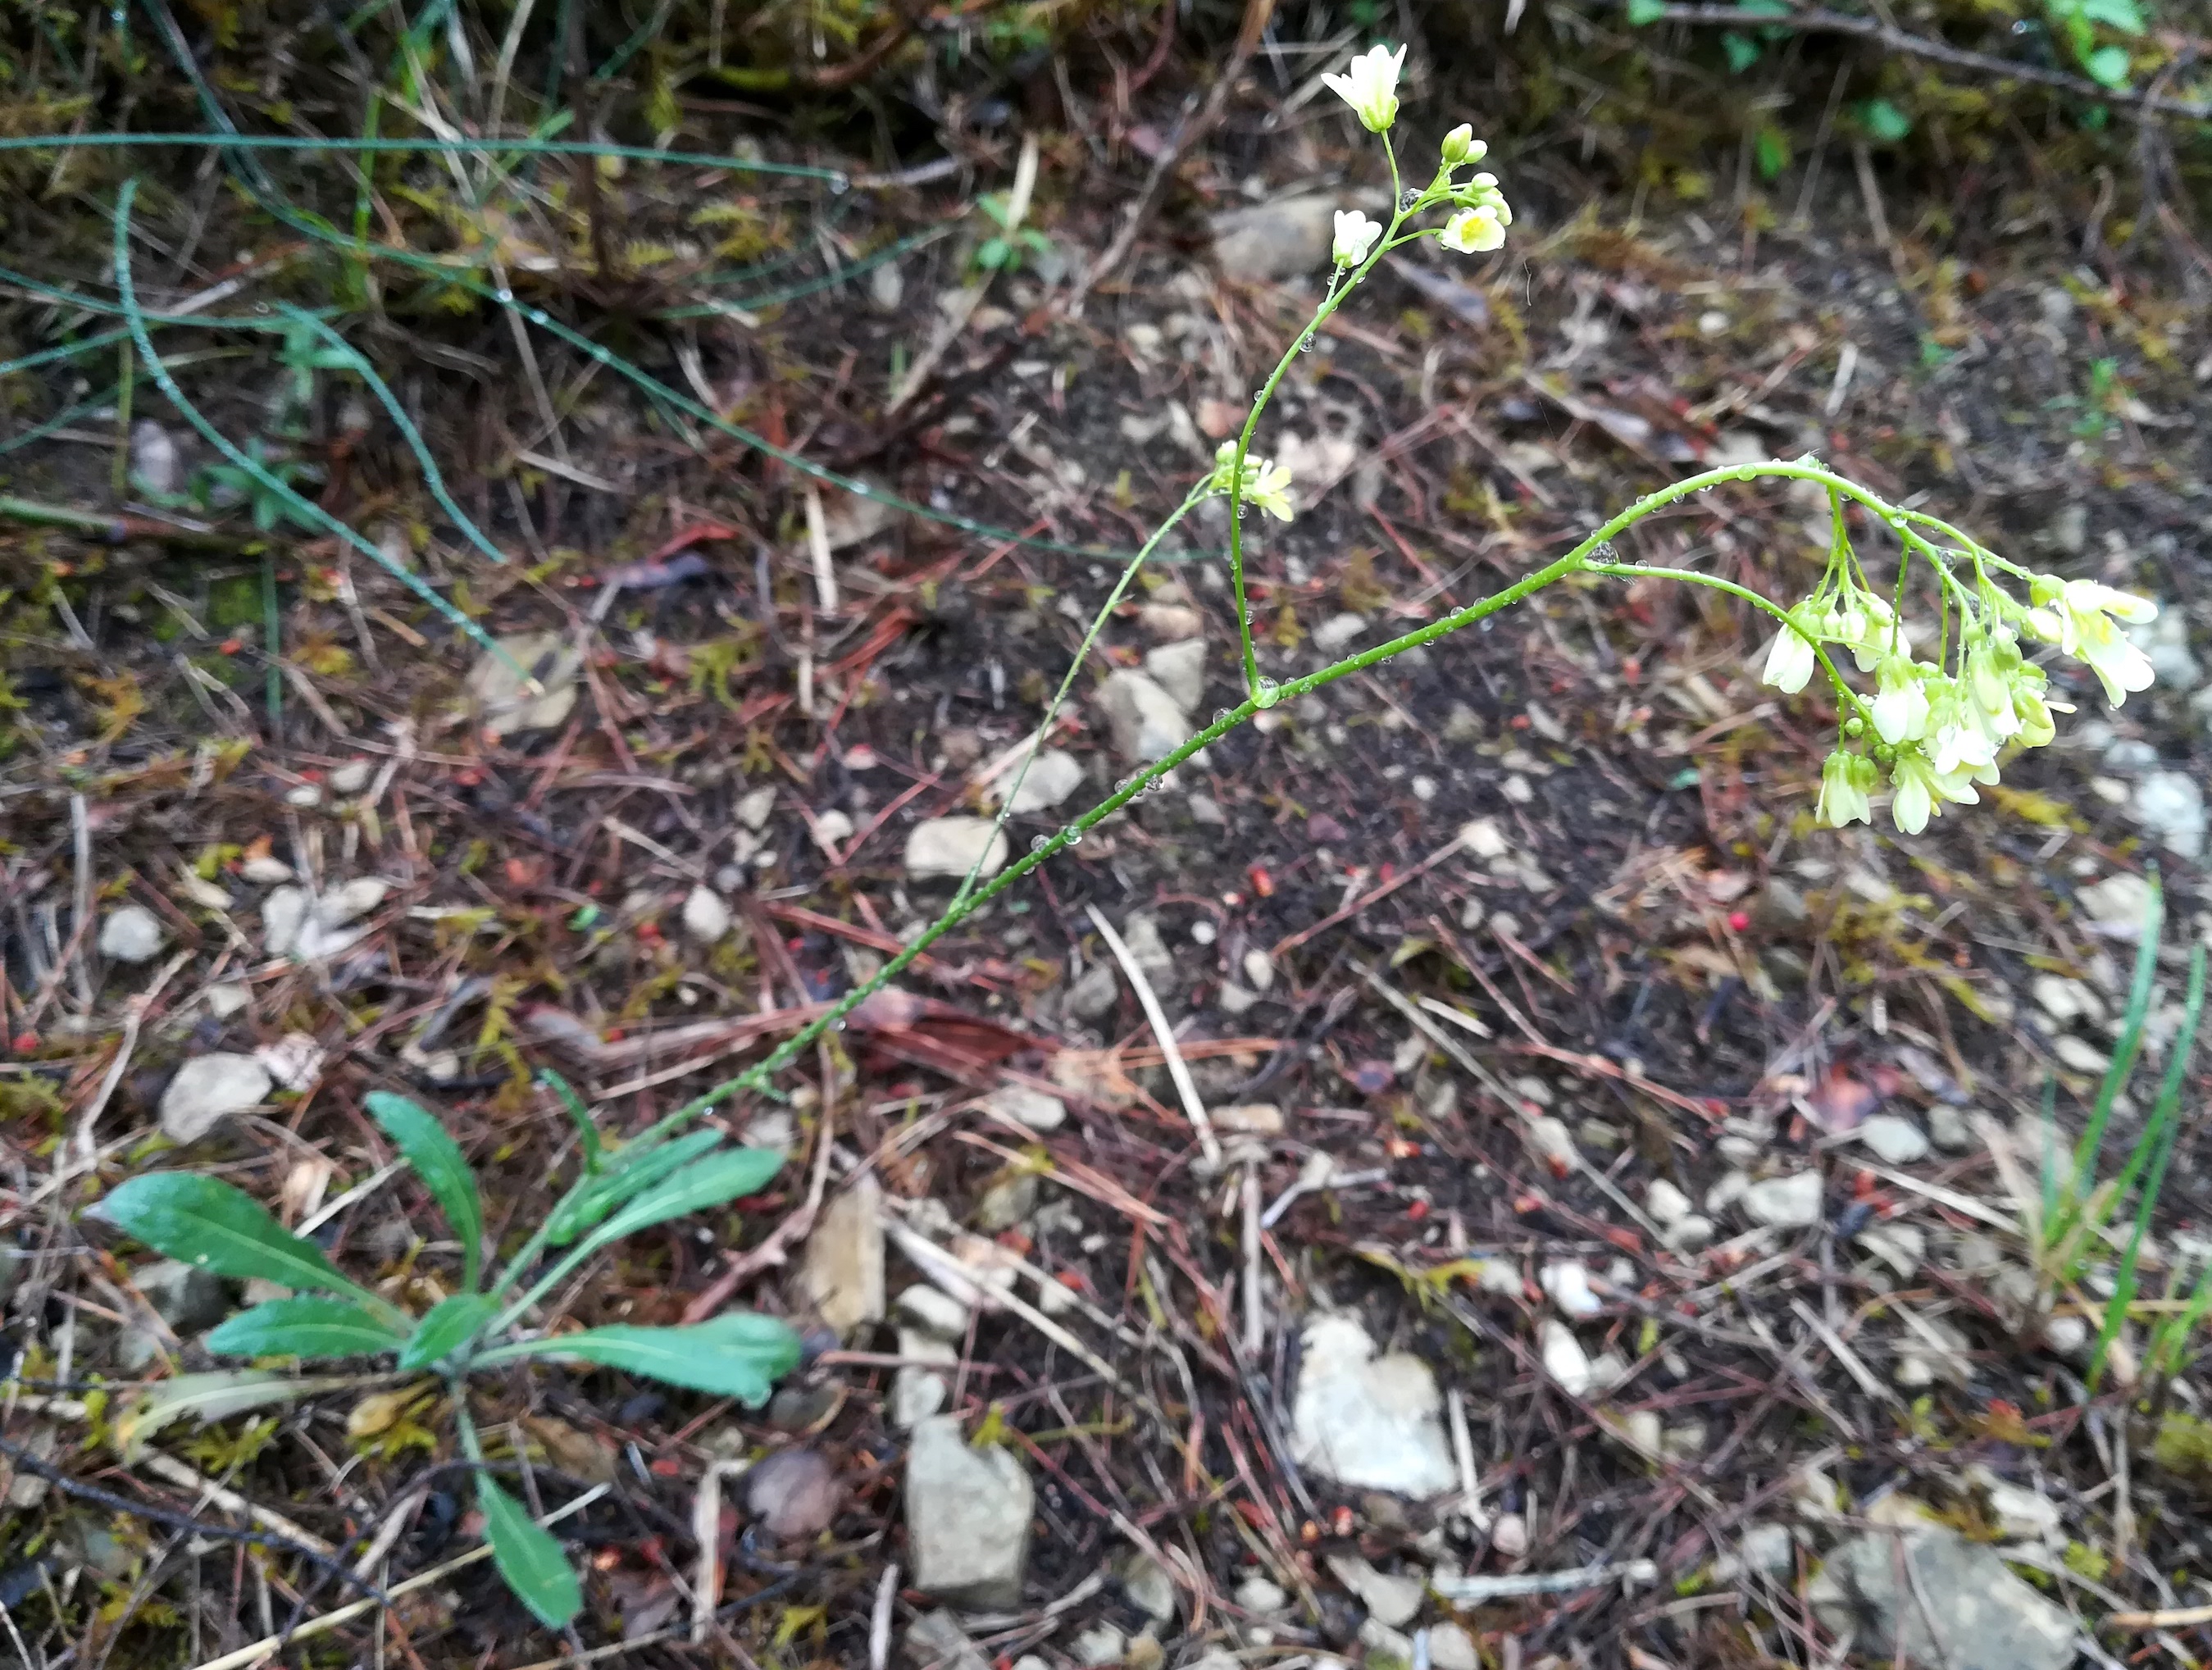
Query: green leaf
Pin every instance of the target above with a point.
(700, 1186)
(302, 1327)
(1884, 123)
(631, 1173)
(739, 1356)
(1771, 150)
(1742, 50)
(2121, 15)
(528, 1556)
(586, 1133)
(2108, 65)
(200, 1221)
(1644, 13)
(430, 1149)
(446, 1325)
(213, 1396)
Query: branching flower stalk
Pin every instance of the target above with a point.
(1935, 728)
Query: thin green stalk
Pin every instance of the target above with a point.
(2124, 1061)
(1074, 668)
(2160, 1133)
(1329, 304)
(215, 438)
(382, 147)
(272, 647)
(432, 478)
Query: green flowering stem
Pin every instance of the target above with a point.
(1582, 559)
(1849, 695)
(1329, 304)
(1074, 668)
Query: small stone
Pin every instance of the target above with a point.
(1145, 721)
(1895, 1141)
(295, 1060)
(1483, 838)
(2064, 1000)
(209, 1088)
(1691, 1234)
(1032, 1108)
(1509, 1535)
(1567, 1282)
(1179, 670)
(934, 1641)
(831, 830)
(132, 934)
(1149, 1587)
(352, 777)
(1929, 1596)
(1259, 970)
(1785, 1203)
(188, 1299)
(1099, 1645)
(1564, 1359)
(306, 796)
(262, 870)
(1551, 1142)
(2118, 904)
(2079, 1054)
(1006, 1202)
(794, 1494)
(503, 698)
(1948, 1130)
(1390, 1599)
(1096, 990)
(1283, 238)
(706, 917)
(1336, 635)
(934, 1311)
(1052, 776)
(1204, 809)
(843, 1273)
(1451, 1648)
(2165, 641)
(228, 999)
(952, 846)
(1667, 1204)
(1170, 622)
(283, 912)
(967, 1518)
(1386, 1648)
(1249, 1119)
(1368, 1422)
(1902, 1247)
(2170, 806)
(2066, 1336)
(1262, 1597)
(1765, 1550)
(754, 808)
(917, 1394)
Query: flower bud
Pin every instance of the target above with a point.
(1461, 146)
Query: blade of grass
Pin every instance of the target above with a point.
(2162, 1133)
(217, 438)
(2092, 1144)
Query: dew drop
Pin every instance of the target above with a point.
(1265, 694)
(1038, 843)
(502, 296)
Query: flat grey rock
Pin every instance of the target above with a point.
(209, 1088)
(953, 845)
(1938, 1599)
(967, 1518)
(843, 1274)
(132, 934)
(1146, 721)
(1368, 1422)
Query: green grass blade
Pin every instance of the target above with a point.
(2123, 1053)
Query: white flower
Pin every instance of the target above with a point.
(1862, 624)
(2085, 612)
(1268, 486)
(1989, 687)
(2036, 728)
(1789, 659)
(1474, 231)
(1900, 703)
(1370, 87)
(1844, 781)
(1915, 792)
(1461, 146)
(1958, 743)
(1355, 236)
